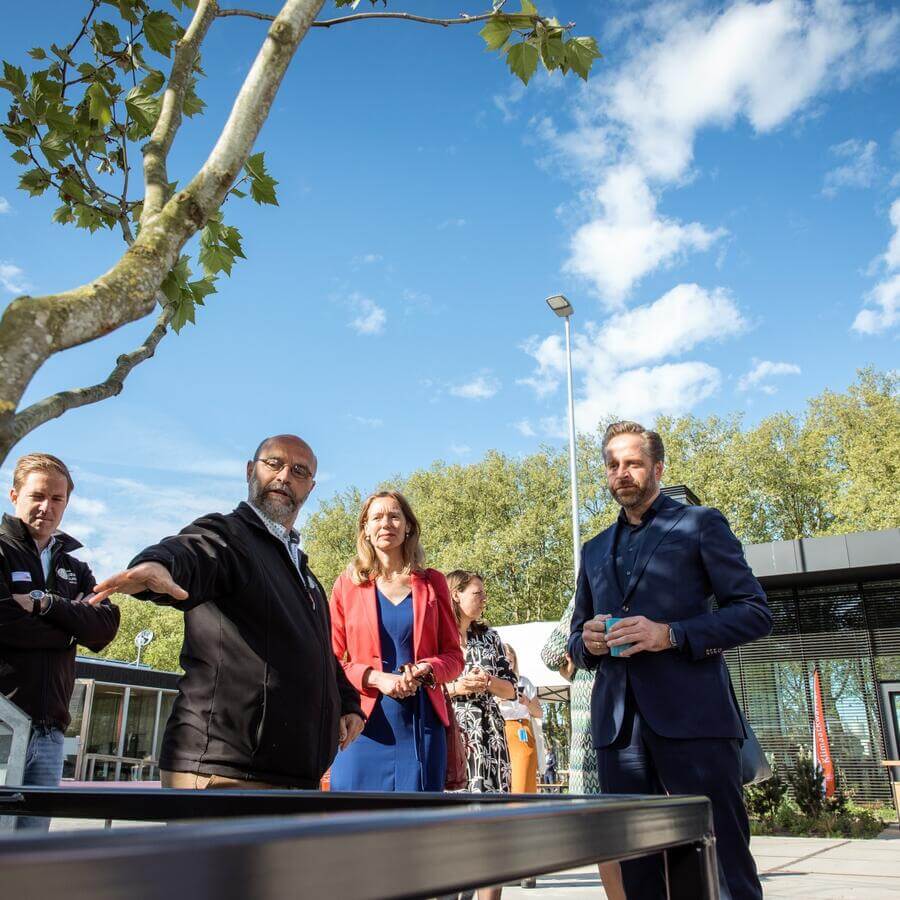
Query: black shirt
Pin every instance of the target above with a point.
(628, 542)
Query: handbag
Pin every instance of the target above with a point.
(457, 778)
(754, 763)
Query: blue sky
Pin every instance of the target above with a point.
(721, 203)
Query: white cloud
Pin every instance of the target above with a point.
(689, 69)
(367, 422)
(860, 170)
(452, 223)
(758, 378)
(628, 239)
(12, 278)
(5, 206)
(460, 449)
(370, 317)
(481, 387)
(525, 428)
(620, 363)
(882, 304)
(367, 259)
(885, 298)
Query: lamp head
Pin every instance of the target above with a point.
(560, 305)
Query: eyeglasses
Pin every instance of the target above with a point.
(298, 470)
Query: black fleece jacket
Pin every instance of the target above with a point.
(37, 653)
(262, 694)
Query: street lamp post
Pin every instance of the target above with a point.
(561, 306)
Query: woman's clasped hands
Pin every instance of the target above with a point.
(402, 684)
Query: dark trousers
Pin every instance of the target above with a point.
(642, 762)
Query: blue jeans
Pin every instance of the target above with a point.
(43, 768)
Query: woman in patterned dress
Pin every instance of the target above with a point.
(487, 676)
(583, 775)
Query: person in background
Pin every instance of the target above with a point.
(393, 631)
(583, 776)
(520, 730)
(263, 702)
(44, 614)
(486, 677)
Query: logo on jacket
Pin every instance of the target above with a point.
(71, 577)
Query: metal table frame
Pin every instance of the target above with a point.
(271, 845)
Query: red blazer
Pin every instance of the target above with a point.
(356, 643)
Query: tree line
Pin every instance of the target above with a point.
(831, 470)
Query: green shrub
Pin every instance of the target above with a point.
(808, 785)
(809, 813)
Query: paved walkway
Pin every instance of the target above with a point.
(796, 868)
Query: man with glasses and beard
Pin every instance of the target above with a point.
(263, 702)
(663, 714)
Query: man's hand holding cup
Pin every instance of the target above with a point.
(594, 635)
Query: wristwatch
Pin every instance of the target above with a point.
(673, 637)
(41, 602)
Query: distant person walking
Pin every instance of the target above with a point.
(393, 631)
(263, 702)
(44, 614)
(518, 715)
(663, 712)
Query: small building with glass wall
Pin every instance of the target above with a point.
(119, 712)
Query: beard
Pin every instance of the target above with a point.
(279, 507)
(634, 495)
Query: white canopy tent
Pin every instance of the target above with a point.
(527, 640)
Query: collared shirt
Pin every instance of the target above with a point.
(287, 536)
(45, 554)
(629, 540)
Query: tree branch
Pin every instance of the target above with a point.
(156, 150)
(54, 406)
(355, 17)
(252, 104)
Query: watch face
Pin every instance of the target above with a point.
(36, 595)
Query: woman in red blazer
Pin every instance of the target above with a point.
(393, 631)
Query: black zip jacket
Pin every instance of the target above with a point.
(37, 653)
(262, 694)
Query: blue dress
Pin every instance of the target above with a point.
(404, 744)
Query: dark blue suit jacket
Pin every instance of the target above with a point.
(688, 556)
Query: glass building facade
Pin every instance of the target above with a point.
(118, 713)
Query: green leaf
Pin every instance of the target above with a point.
(143, 110)
(496, 33)
(13, 80)
(55, 147)
(35, 182)
(62, 54)
(192, 103)
(17, 135)
(21, 157)
(580, 55)
(522, 60)
(528, 8)
(201, 289)
(153, 82)
(233, 191)
(161, 31)
(60, 119)
(231, 238)
(99, 104)
(262, 185)
(216, 258)
(553, 52)
(62, 215)
(37, 53)
(106, 37)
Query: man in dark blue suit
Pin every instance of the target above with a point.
(663, 713)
